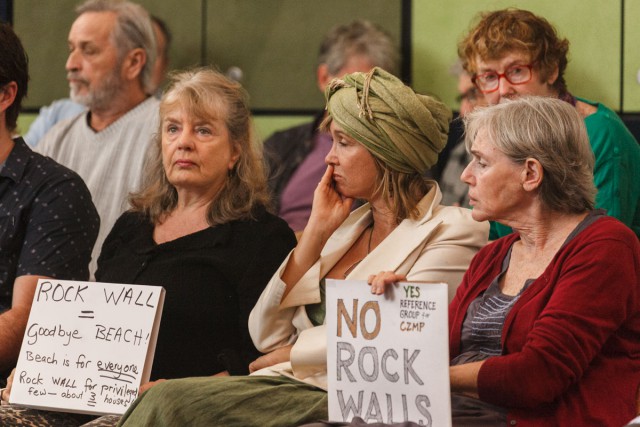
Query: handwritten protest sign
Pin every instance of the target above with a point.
(87, 346)
(388, 355)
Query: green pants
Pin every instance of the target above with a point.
(228, 401)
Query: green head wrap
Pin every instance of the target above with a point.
(401, 128)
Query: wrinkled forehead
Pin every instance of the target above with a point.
(191, 103)
(479, 130)
(335, 129)
(500, 60)
(94, 27)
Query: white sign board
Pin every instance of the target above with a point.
(388, 355)
(87, 346)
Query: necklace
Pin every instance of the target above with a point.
(355, 264)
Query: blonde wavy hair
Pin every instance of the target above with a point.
(205, 93)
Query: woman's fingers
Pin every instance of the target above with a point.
(257, 364)
(279, 355)
(327, 178)
(329, 207)
(380, 281)
(326, 188)
(6, 392)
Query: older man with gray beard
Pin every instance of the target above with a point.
(111, 56)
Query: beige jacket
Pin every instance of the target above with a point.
(436, 248)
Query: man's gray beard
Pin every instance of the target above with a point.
(101, 96)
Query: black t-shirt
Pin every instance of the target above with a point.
(212, 278)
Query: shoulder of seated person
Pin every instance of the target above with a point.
(461, 224)
(133, 218)
(585, 109)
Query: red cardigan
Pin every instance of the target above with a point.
(571, 343)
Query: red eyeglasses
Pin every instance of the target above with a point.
(489, 81)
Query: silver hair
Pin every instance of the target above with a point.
(552, 132)
(133, 30)
(359, 37)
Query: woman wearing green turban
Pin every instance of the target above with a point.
(385, 137)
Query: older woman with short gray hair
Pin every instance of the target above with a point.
(547, 132)
(544, 327)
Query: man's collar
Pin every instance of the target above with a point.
(104, 121)
(17, 161)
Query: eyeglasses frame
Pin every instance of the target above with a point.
(475, 76)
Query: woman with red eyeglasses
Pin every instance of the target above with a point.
(513, 52)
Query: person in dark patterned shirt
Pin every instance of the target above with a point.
(48, 223)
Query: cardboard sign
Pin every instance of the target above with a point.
(87, 347)
(388, 355)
